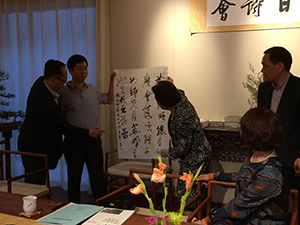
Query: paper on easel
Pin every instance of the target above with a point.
(109, 216)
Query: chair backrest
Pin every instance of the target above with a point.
(152, 189)
(295, 216)
(7, 181)
(207, 201)
(117, 174)
(113, 153)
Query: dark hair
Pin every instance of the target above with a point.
(74, 59)
(166, 93)
(261, 129)
(53, 68)
(280, 54)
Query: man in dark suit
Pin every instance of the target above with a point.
(42, 129)
(281, 93)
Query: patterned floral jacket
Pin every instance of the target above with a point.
(261, 194)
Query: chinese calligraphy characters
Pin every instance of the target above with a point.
(253, 7)
(141, 124)
(284, 5)
(222, 8)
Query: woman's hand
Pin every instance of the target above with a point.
(203, 177)
(297, 167)
(201, 222)
(170, 79)
(163, 153)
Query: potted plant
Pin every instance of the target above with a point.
(252, 83)
(7, 114)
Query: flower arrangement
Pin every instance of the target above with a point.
(159, 176)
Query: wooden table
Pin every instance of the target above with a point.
(12, 204)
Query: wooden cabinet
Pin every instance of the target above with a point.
(226, 144)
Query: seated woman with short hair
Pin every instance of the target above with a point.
(261, 193)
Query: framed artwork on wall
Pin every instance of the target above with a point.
(238, 15)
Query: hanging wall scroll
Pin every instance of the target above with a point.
(233, 15)
(141, 125)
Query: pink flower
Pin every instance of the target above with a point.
(137, 190)
(158, 176)
(151, 219)
(136, 176)
(162, 167)
(166, 217)
(188, 180)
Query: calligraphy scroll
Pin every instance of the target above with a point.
(141, 124)
(232, 15)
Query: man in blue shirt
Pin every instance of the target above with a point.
(79, 103)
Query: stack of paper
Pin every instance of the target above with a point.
(71, 214)
(204, 123)
(232, 121)
(216, 123)
(109, 216)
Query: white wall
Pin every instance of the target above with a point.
(210, 67)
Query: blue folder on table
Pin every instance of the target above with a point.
(71, 214)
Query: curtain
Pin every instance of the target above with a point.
(107, 113)
(33, 31)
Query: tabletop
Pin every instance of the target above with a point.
(12, 204)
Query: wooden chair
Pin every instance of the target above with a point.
(11, 185)
(117, 174)
(153, 187)
(207, 201)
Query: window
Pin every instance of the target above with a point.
(33, 31)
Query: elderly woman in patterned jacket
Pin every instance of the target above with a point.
(189, 145)
(261, 193)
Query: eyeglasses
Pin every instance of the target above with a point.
(58, 78)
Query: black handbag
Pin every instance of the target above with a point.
(123, 201)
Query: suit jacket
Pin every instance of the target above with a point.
(42, 129)
(289, 113)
